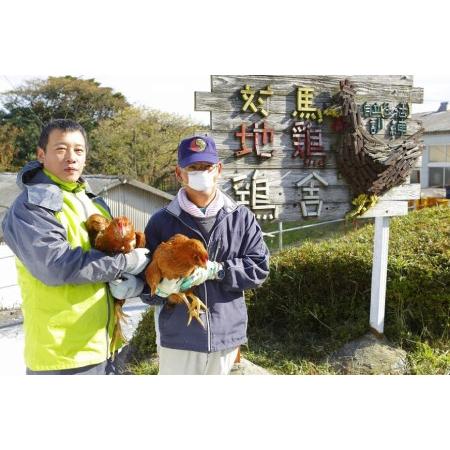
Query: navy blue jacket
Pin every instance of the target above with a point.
(235, 241)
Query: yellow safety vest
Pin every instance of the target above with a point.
(71, 325)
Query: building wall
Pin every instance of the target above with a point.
(432, 139)
(9, 290)
(138, 205)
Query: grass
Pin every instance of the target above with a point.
(281, 359)
(426, 360)
(143, 367)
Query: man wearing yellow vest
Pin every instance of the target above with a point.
(66, 302)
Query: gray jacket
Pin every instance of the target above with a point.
(39, 240)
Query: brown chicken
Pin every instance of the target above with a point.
(178, 258)
(114, 236)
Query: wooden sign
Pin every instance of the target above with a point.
(278, 126)
(326, 141)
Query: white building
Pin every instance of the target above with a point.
(435, 169)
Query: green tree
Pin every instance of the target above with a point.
(139, 143)
(8, 149)
(37, 102)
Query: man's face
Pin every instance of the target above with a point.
(183, 174)
(65, 155)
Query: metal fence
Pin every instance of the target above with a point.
(282, 230)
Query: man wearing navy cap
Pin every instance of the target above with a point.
(238, 260)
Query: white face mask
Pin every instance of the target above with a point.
(201, 180)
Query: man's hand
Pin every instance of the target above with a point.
(126, 287)
(200, 275)
(137, 261)
(167, 287)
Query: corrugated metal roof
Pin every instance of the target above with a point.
(99, 182)
(434, 122)
(103, 184)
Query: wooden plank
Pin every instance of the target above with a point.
(287, 197)
(232, 101)
(386, 209)
(291, 212)
(280, 160)
(282, 148)
(283, 177)
(224, 121)
(226, 139)
(403, 192)
(399, 86)
(280, 195)
(221, 83)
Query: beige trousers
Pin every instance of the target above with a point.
(185, 362)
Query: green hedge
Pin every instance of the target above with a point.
(321, 291)
(143, 342)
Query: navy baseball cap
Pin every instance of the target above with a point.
(197, 149)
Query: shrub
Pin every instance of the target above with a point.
(321, 291)
(143, 342)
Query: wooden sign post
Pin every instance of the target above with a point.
(277, 137)
(392, 204)
(379, 274)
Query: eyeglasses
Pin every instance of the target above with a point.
(200, 167)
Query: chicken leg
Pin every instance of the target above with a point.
(194, 307)
(118, 332)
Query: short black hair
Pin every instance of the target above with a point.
(60, 124)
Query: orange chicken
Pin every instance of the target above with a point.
(114, 236)
(178, 258)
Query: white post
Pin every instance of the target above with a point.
(379, 273)
(280, 235)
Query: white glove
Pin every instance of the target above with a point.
(126, 287)
(136, 261)
(200, 275)
(167, 287)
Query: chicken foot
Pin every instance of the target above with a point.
(194, 307)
